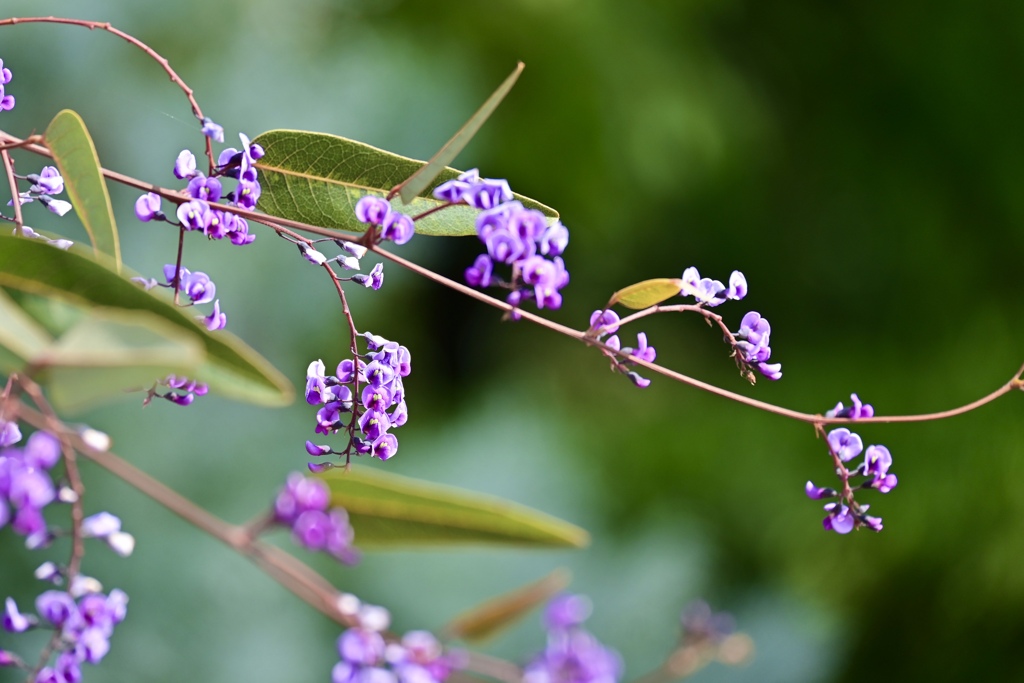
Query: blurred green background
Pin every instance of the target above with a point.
(860, 162)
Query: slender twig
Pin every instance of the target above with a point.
(275, 222)
(153, 54)
(19, 222)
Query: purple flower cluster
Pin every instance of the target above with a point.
(304, 506)
(197, 286)
(752, 346)
(45, 184)
(199, 214)
(378, 382)
(712, 292)
(183, 390)
(394, 225)
(606, 322)
(515, 236)
(6, 101)
(85, 622)
(367, 658)
(845, 513)
(26, 486)
(572, 654)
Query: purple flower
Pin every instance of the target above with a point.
(315, 383)
(642, 350)
(479, 274)
(185, 165)
(372, 209)
(755, 329)
(877, 461)
(198, 286)
(487, 193)
(201, 187)
(100, 525)
(13, 620)
(704, 290)
(397, 227)
(845, 444)
(817, 493)
(194, 215)
(9, 432)
(237, 230)
(147, 207)
(737, 286)
(573, 655)
(384, 447)
(48, 181)
(451, 191)
(839, 518)
(213, 130)
(567, 611)
(216, 320)
(5, 74)
(57, 206)
(554, 239)
(57, 607)
(856, 410)
(772, 371)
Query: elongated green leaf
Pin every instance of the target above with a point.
(421, 179)
(318, 178)
(647, 293)
(75, 154)
(20, 334)
(388, 510)
(114, 349)
(229, 366)
(488, 618)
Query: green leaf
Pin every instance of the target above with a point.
(488, 618)
(20, 334)
(647, 293)
(229, 366)
(388, 511)
(317, 179)
(75, 154)
(115, 349)
(421, 179)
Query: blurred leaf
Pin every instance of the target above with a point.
(646, 293)
(112, 350)
(20, 334)
(75, 155)
(496, 614)
(421, 179)
(317, 178)
(229, 366)
(388, 510)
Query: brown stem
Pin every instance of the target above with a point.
(153, 54)
(13, 183)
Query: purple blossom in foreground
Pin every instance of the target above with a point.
(26, 486)
(304, 506)
(572, 654)
(846, 513)
(394, 225)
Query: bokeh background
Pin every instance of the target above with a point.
(861, 163)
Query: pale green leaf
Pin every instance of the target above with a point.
(646, 293)
(75, 155)
(388, 511)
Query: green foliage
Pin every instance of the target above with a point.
(391, 511)
(318, 178)
(646, 293)
(75, 155)
(120, 328)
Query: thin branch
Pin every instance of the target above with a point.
(19, 222)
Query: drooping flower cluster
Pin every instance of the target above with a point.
(515, 236)
(197, 286)
(304, 505)
(394, 225)
(367, 658)
(6, 101)
(377, 381)
(572, 655)
(752, 347)
(845, 514)
(26, 486)
(82, 615)
(85, 621)
(183, 390)
(199, 214)
(606, 322)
